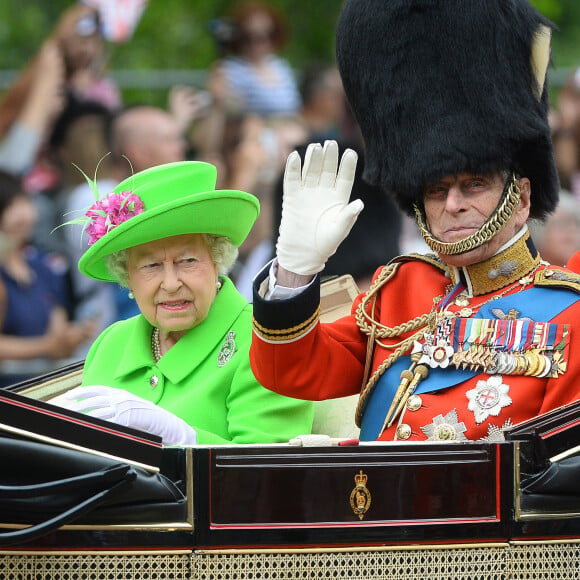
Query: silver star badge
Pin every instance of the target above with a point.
(446, 428)
(488, 398)
(435, 353)
(496, 434)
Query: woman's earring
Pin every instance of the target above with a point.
(218, 285)
(131, 295)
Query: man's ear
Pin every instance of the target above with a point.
(522, 212)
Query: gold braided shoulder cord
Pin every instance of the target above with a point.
(365, 318)
(488, 230)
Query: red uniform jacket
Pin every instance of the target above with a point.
(296, 355)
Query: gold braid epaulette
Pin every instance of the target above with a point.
(375, 330)
(555, 277)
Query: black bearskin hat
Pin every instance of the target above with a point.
(441, 87)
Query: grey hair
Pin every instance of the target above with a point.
(223, 253)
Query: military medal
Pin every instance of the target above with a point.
(488, 397)
(510, 346)
(434, 354)
(446, 428)
(495, 434)
(441, 355)
(436, 350)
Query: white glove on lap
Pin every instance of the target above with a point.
(124, 408)
(316, 215)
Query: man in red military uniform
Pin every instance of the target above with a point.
(459, 344)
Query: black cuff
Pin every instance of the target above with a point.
(285, 320)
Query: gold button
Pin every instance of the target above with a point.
(403, 431)
(414, 403)
(153, 381)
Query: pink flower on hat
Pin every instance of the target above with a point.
(111, 211)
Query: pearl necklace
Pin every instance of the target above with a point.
(155, 345)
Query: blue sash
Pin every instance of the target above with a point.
(536, 303)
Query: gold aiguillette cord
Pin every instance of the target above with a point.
(406, 378)
(419, 374)
(409, 381)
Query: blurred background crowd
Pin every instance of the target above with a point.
(107, 88)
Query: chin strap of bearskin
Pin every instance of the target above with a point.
(498, 219)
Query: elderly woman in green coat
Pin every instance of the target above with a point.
(180, 369)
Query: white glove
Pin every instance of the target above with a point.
(320, 440)
(316, 215)
(124, 408)
(312, 440)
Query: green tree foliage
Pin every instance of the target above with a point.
(552, 9)
(171, 35)
(175, 34)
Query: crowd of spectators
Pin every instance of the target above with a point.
(64, 119)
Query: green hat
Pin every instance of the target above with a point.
(163, 201)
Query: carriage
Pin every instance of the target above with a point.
(81, 499)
